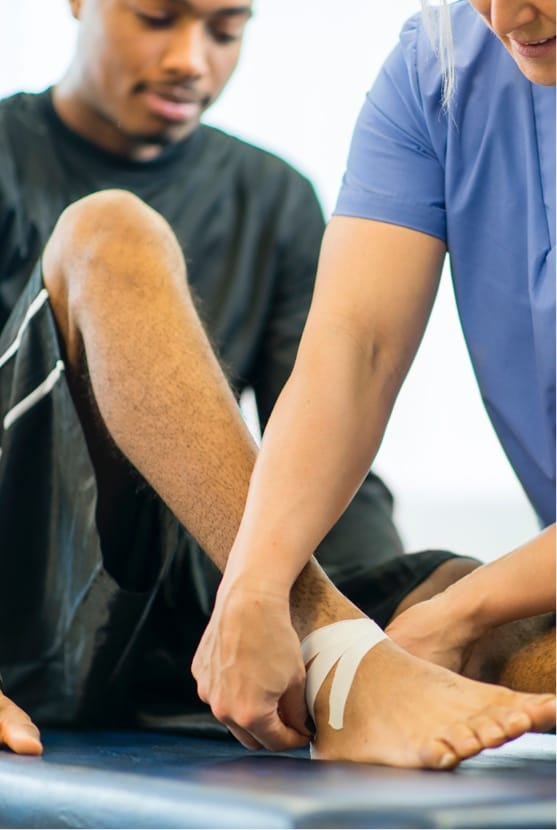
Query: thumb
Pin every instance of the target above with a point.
(22, 738)
(293, 710)
(17, 731)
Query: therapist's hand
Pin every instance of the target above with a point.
(434, 631)
(249, 668)
(17, 730)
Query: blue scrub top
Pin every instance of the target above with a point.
(482, 178)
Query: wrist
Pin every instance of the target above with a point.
(266, 567)
(467, 609)
(246, 586)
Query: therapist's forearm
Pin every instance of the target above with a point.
(317, 449)
(518, 585)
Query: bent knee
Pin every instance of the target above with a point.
(98, 223)
(110, 235)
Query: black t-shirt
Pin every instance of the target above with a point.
(250, 227)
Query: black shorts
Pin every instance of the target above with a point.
(79, 646)
(66, 625)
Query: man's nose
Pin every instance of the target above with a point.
(186, 51)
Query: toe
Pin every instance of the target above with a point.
(438, 754)
(489, 730)
(462, 739)
(514, 722)
(541, 710)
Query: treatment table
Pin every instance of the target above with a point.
(146, 779)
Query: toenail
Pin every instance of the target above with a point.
(448, 760)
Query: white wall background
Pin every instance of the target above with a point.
(305, 68)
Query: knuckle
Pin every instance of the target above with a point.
(247, 718)
(221, 712)
(203, 692)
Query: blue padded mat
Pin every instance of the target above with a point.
(138, 779)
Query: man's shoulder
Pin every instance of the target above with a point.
(21, 106)
(21, 119)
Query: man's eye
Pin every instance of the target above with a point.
(225, 37)
(155, 22)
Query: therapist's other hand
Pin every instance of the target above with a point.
(434, 631)
(17, 730)
(249, 668)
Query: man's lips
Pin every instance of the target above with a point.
(173, 103)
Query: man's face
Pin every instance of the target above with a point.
(527, 29)
(147, 69)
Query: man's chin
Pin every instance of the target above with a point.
(169, 134)
(148, 144)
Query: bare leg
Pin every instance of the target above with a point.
(519, 655)
(122, 305)
(117, 284)
(403, 711)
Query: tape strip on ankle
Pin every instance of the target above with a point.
(342, 644)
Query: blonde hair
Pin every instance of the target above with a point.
(437, 23)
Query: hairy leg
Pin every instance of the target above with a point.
(519, 655)
(404, 711)
(117, 285)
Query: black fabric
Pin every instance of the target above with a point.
(66, 624)
(86, 640)
(382, 589)
(250, 228)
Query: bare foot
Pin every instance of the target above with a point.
(17, 730)
(405, 712)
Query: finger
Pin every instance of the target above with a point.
(275, 735)
(264, 732)
(293, 711)
(17, 731)
(244, 737)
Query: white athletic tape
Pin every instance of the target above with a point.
(343, 645)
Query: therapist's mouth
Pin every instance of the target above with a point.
(534, 48)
